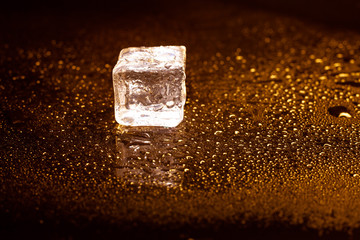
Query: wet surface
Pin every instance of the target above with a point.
(269, 144)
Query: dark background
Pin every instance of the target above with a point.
(337, 13)
(17, 18)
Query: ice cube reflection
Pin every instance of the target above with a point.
(150, 155)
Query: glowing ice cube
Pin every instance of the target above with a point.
(149, 86)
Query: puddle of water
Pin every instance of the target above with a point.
(339, 111)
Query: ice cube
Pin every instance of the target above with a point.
(149, 86)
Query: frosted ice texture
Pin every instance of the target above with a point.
(149, 86)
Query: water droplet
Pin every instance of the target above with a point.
(339, 111)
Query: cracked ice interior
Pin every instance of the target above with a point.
(149, 86)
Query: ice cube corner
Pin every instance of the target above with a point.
(149, 86)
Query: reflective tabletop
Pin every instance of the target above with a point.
(269, 145)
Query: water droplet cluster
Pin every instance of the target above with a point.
(271, 131)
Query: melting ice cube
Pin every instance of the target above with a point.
(149, 86)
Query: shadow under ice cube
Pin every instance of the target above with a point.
(149, 86)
